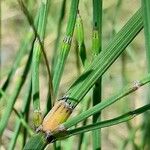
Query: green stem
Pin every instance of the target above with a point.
(65, 48)
(146, 18)
(96, 49)
(37, 53)
(39, 45)
(146, 121)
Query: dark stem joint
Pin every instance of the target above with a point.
(49, 137)
(66, 99)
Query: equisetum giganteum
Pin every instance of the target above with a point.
(60, 112)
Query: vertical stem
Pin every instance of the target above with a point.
(37, 53)
(146, 19)
(96, 48)
(66, 44)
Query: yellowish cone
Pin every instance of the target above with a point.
(58, 114)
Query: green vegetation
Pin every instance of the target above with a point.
(70, 60)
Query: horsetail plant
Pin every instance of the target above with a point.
(56, 124)
(62, 109)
